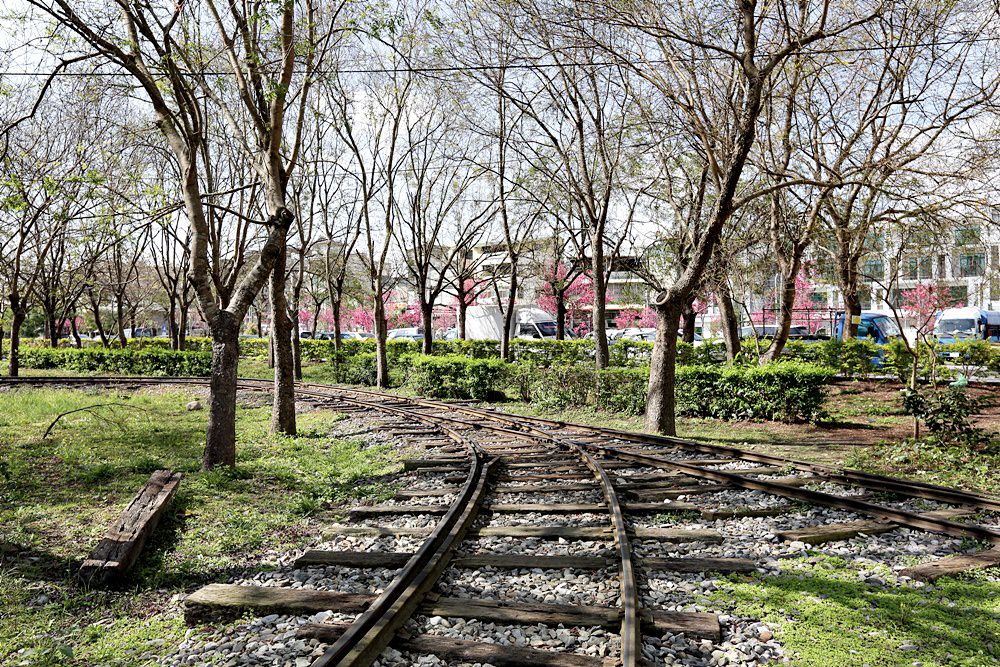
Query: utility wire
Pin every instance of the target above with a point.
(444, 69)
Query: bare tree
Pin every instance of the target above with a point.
(165, 50)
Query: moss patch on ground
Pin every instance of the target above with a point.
(59, 493)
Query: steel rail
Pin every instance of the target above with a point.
(903, 517)
(841, 475)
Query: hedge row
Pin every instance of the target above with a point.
(126, 362)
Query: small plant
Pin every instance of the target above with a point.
(947, 415)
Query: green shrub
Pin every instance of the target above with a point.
(474, 349)
(631, 353)
(622, 390)
(948, 416)
(151, 361)
(560, 387)
(455, 376)
(359, 369)
(786, 391)
(551, 352)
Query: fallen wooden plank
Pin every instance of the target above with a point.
(541, 478)
(120, 547)
(545, 532)
(360, 559)
(231, 601)
(834, 532)
(527, 561)
(955, 564)
(698, 564)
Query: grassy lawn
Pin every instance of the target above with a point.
(58, 494)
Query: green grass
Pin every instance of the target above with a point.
(958, 467)
(58, 494)
(826, 616)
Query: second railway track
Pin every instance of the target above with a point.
(524, 541)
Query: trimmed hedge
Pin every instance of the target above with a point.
(150, 361)
(455, 376)
(787, 391)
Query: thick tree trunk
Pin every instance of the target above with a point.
(852, 309)
(660, 401)
(53, 329)
(283, 410)
(601, 353)
(427, 320)
(381, 350)
(14, 362)
(729, 322)
(220, 446)
(560, 315)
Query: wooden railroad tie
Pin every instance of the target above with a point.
(833, 532)
(585, 533)
(464, 650)
(363, 559)
(120, 547)
(515, 508)
(231, 600)
(955, 564)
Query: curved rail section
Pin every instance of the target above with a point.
(362, 642)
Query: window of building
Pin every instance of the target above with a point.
(958, 295)
(874, 270)
(941, 268)
(971, 264)
(919, 268)
(967, 236)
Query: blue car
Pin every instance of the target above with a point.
(874, 326)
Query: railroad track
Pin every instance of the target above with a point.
(473, 459)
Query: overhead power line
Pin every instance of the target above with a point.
(446, 69)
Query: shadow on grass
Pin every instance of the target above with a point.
(831, 621)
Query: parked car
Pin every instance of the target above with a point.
(958, 324)
(771, 330)
(409, 333)
(874, 326)
(306, 335)
(486, 322)
(356, 335)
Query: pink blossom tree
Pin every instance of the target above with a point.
(566, 294)
(645, 318)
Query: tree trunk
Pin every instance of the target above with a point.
(2, 353)
(297, 351)
(283, 411)
(729, 322)
(53, 330)
(660, 397)
(601, 354)
(785, 312)
(220, 445)
(96, 310)
(508, 316)
(182, 327)
(14, 362)
(689, 319)
(120, 316)
(852, 309)
(335, 308)
(172, 323)
(427, 319)
(381, 350)
(560, 315)
(463, 313)
(77, 342)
